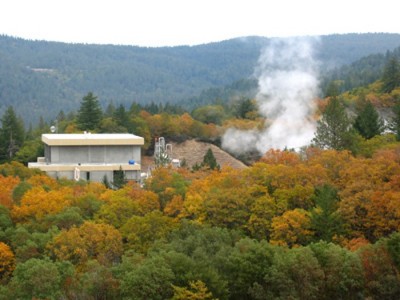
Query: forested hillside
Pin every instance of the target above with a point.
(42, 78)
(322, 222)
(361, 72)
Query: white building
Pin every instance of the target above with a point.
(90, 156)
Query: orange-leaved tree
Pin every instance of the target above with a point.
(369, 197)
(7, 185)
(220, 199)
(89, 241)
(37, 203)
(7, 262)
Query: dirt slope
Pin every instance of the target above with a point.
(193, 152)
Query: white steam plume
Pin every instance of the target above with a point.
(288, 85)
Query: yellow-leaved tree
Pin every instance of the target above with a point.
(37, 203)
(89, 241)
(7, 185)
(291, 229)
(7, 262)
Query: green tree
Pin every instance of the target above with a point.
(206, 250)
(110, 110)
(368, 123)
(393, 246)
(70, 216)
(121, 117)
(5, 221)
(210, 161)
(325, 221)
(344, 278)
(391, 75)
(333, 129)
(40, 279)
(119, 179)
(209, 114)
(333, 88)
(90, 113)
(29, 151)
(249, 262)
(294, 274)
(246, 109)
(150, 280)
(11, 135)
(96, 282)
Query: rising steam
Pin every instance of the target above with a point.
(288, 85)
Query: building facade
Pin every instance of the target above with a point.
(88, 156)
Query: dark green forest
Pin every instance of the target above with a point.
(41, 78)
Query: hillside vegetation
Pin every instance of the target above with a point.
(42, 78)
(322, 222)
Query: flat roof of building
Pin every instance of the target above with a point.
(91, 139)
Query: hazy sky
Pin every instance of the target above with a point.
(190, 22)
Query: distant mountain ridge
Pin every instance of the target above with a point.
(41, 78)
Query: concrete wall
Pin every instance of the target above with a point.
(120, 154)
(92, 154)
(94, 176)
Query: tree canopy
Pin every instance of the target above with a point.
(334, 127)
(368, 122)
(90, 113)
(391, 75)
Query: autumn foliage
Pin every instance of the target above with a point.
(7, 262)
(226, 234)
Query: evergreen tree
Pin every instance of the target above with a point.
(61, 116)
(368, 123)
(333, 129)
(90, 113)
(43, 126)
(325, 220)
(119, 178)
(135, 108)
(333, 89)
(391, 75)
(110, 110)
(210, 161)
(245, 107)
(121, 117)
(12, 135)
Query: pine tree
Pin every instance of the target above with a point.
(12, 134)
(119, 179)
(245, 107)
(210, 161)
(90, 113)
(121, 117)
(325, 220)
(391, 75)
(368, 123)
(110, 110)
(333, 89)
(333, 129)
